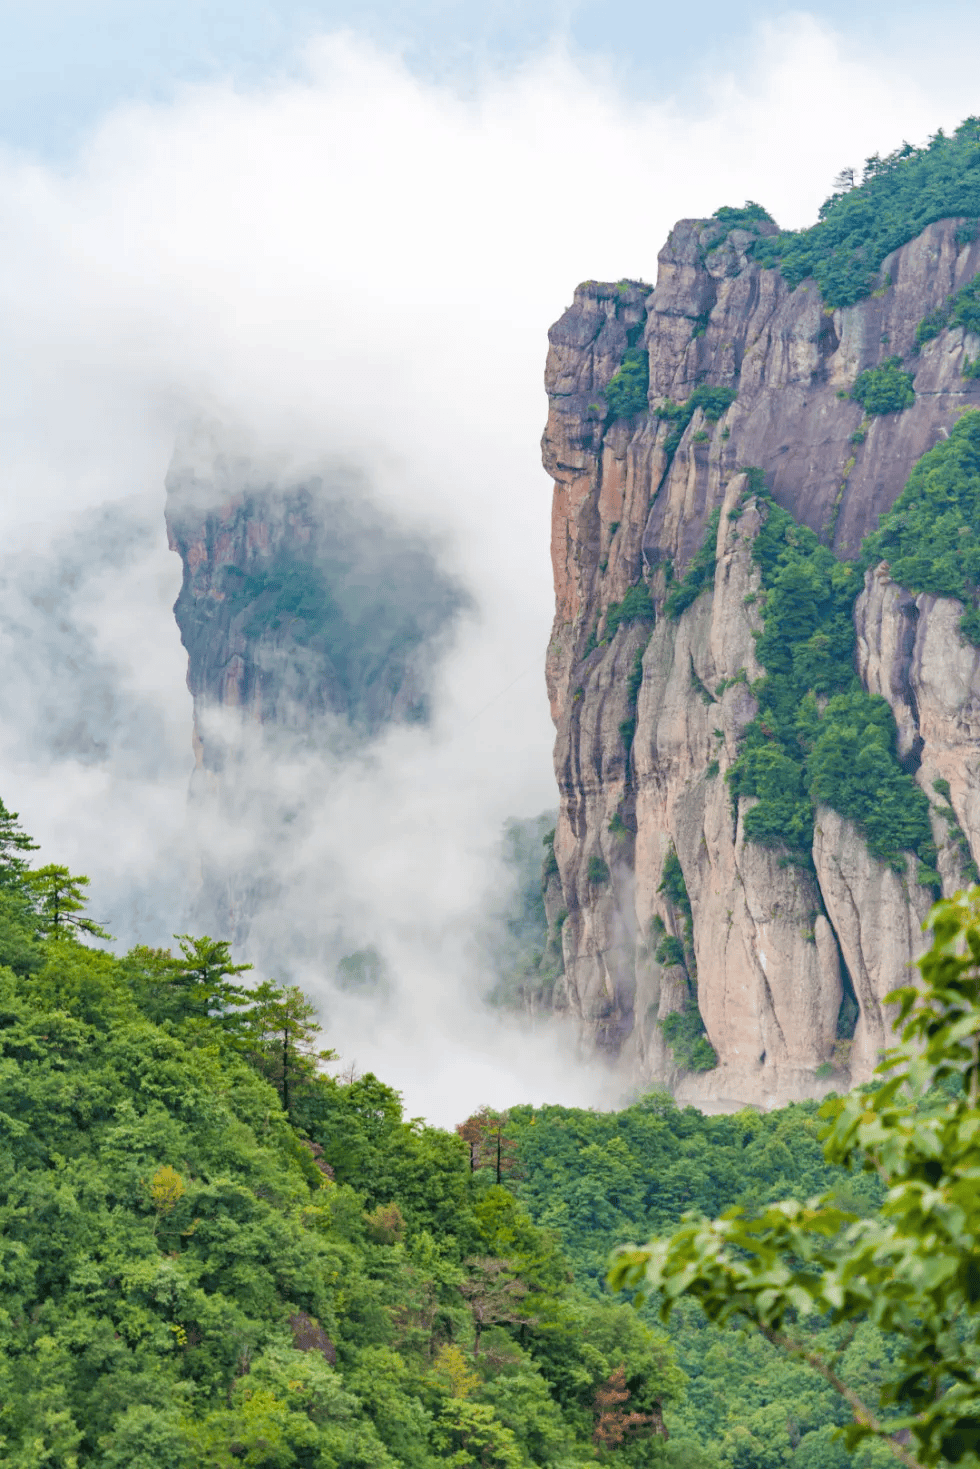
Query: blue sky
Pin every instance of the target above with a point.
(65, 63)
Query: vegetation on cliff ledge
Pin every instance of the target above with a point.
(699, 574)
(884, 389)
(683, 1030)
(818, 738)
(898, 196)
(931, 536)
(626, 391)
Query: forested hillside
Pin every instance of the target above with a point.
(603, 1178)
(214, 1255)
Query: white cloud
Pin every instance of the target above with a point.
(360, 266)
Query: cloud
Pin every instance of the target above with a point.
(358, 266)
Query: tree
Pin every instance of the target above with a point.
(912, 1270)
(13, 841)
(489, 1145)
(60, 902)
(452, 1370)
(282, 1035)
(615, 1423)
(203, 977)
(494, 1294)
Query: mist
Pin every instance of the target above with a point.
(355, 268)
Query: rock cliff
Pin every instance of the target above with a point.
(309, 618)
(665, 903)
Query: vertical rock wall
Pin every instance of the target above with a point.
(776, 949)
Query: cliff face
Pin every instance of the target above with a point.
(789, 963)
(310, 621)
(299, 599)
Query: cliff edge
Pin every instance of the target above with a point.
(711, 439)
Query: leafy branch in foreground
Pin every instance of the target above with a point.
(914, 1269)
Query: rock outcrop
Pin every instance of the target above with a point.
(310, 621)
(299, 598)
(648, 722)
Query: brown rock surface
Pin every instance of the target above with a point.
(767, 938)
(909, 650)
(877, 915)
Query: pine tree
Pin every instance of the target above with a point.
(282, 1036)
(203, 978)
(60, 903)
(13, 841)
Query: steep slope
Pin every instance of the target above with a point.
(786, 942)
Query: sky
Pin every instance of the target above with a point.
(63, 66)
(343, 235)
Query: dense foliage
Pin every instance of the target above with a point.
(912, 1269)
(626, 391)
(795, 755)
(604, 1177)
(931, 536)
(898, 196)
(212, 1254)
(884, 389)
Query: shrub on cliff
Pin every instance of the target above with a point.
(635, 607)
(700, 573)
(962, 308)
(884, 389)
(684, 1032)
(626, 391)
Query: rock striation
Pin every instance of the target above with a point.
(790, 965)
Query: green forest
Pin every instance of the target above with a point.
(215, 1253)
